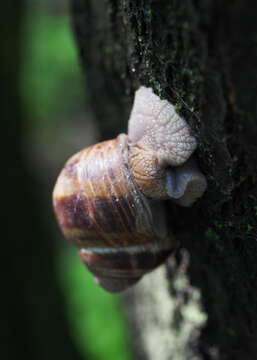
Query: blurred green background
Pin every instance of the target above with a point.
(58, 124)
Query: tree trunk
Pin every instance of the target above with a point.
(33, 322)
(202, 57)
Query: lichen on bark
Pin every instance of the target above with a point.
(169, 325)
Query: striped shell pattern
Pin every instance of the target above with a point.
(102, 211)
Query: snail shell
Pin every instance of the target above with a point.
(108, 198)
(119, 233)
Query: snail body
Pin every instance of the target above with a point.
(108, 199)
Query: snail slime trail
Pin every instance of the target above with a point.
(109, 197)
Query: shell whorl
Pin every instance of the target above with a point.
(160, 143)
(102, 211)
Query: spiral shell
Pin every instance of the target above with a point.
(120, 234)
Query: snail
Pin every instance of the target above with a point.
(109, 197)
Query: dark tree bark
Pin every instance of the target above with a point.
(201, 56)
(33, 322)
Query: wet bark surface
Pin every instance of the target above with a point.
(202, 57)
